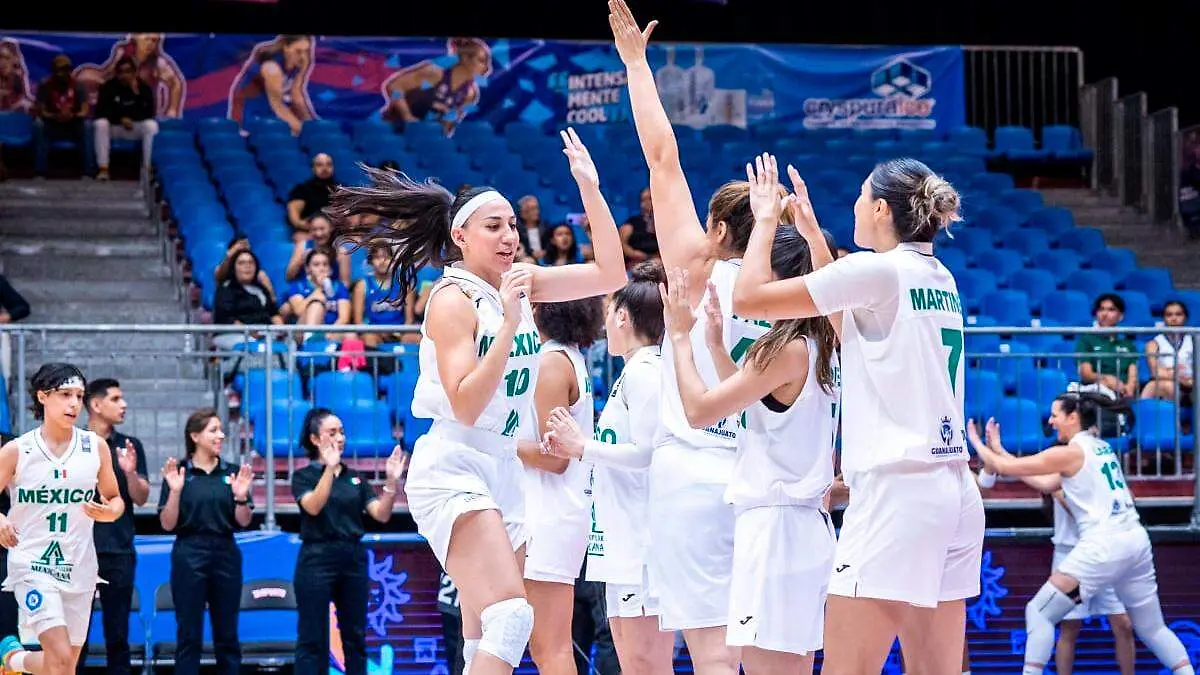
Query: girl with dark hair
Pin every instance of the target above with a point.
(332, 565)
(372, 301)
(783, 541)
(478, 364)
(318, 299)
(319, 235)
(1113, 548)
(899, 570)
(692, 526)
(52, 566)
(556, 489)
(1170, 357)
(243, 300)
(563, 249)
(619, 457)
(203, 501)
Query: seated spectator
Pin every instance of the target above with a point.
(320, 235)
(562, 248)
(310, 197)
(1170, 358)
(637, 235)
(318, 299)
(418, 298)
(1114, 363)
(60, 114)
(371, 302)
(530, 228)
(125, 109)
(242, 300)
(222, 272)
(13, 307)
(13, 96)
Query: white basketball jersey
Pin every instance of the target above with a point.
(1097, 494)
(562, 497)
(1066, 530)
(620, 533)
(739, 335)
(1168, 355)
(786, 457)
(903, 393)
(55, 547)
(504, 413)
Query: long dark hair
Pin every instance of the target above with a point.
(574, 322)
(791, 257)
(194, 425)
(641, 299)
(312, 427)
(411, 217)
(1087, 404)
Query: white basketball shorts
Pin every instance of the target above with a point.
(629, 601)
(1104, 603)
(40, 608)
(1121, 560)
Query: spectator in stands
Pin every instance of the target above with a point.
(371, 302)
(530, 228)
(562, 248)
(311, 196)
(332, 564)
(1114, 364)
(13, 307)
(317, 299)
(637, 234)
(125, 109)
(223, 268)
(1170, 358)
(203, 500)
(115, 553)
(319, 235)
(243, 300)
(60, 114)
(14, 94)
(418, 296)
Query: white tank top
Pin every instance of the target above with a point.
(1097, 494)
(620, 532)
(562, 499)
(1167, 354)
(739, 335)
(1066, 531)
(512, 399)
(55, 547)
(786, 458)
(903, 393)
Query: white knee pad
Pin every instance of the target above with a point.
(507, 626)
(470, 646)
(1148, 623)
(1042, 614)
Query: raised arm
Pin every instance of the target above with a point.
(677, 226)
(451, 324)
(1064, 460)
(604, 274)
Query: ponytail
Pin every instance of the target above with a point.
(1088, 405)
(409, 217)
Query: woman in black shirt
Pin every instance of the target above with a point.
(243, 300)
(332, 565)
(203, 501)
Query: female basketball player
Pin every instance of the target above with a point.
(1113, 549)
(479, 362)
(619, 458)
(784, 540)
(53, 474)
(556, 489)
(691, 557)
(898, 570)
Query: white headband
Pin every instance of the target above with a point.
(473, 204)
(72, 383)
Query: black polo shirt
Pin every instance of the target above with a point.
(117, 537)
(206, 503)
(315, 193)
(342, 517)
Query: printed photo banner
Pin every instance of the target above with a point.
(545, 83)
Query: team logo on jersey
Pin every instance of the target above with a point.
(947, 431)
(52, 562)
(33, 600)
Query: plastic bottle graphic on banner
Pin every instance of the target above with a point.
(671, 81)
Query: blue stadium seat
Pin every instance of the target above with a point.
(1118, 262)
(1067, 308)
(973, 241)
(1000, 221)
(254, 389)
(1041, 386)
(982, 393)
(972, 286)
(1029, 243)
(368, 427)
(267, 620)
(1137, 309)
(1065, 143)
(287, 418)
(1001, 262)
(991, 183)
(1059, 262)
(1085, 241)
(1007, 307)
(969, 141)
(1017, 143)
(954, 259)
(1035, 283)
(1021, 420)
(16, 129)
(1155, 282)
(349, 387)
(1155, 426)
(1053, 220)
(1024, 202)
(1090, 282)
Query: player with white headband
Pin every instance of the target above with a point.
(478, 364)
(55, 470)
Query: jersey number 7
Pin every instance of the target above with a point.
(953, 339)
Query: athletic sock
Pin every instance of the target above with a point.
(16, 662)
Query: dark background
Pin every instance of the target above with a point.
(1149, 45)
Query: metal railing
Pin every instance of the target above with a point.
(1012, 373)
(1027, 86)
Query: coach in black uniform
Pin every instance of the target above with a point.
(203, 502)
(114, 541)
(332, 564)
